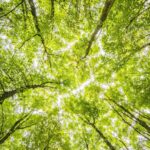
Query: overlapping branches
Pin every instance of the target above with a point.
(125, 112)
(100, 133)
(16, 126)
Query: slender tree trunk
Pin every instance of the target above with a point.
(107, 6)
(141, 122)
(111, 147)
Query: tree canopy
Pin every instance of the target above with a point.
(74, 74)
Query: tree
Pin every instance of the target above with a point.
(74, 74)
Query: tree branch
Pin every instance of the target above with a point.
(36, 23)
(108, 5)
(52, 9)
(129, 124)
(2, 120)
(28, 39)
(111, 147)
(14, 127)
(107, 142)
(34, 14)
(137, 15)
(127, 58)
(138, 120)
(8, 94)
(12, 9)
(123, 144)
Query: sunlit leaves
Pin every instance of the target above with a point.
(71, 98)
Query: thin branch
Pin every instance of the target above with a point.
(52, 9)
(52, 14)
(14, 127)
(145, 45)
(48, 140)
(123, 144)
(51, 135)
(107, 142)
(138, 120)
(129, 124)
(28, 39)
(127, 58)
(85, 139)
(136, 16)
(108, 5)
(86, 143)
(36, 23)
(2, 121)
(2, 86)
(24, 14)
(34, 14)
(27, 126)
(12, 9)
(141, 114)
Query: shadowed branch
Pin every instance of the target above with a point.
(108, 5)
(12, 9)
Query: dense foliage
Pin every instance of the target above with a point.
(74, 74)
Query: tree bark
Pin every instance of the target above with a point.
(12, 9)
(111, 147)
(14, 127)
(108, 5)
(8, 94)
(141, 122)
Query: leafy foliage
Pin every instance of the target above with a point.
(74, 74)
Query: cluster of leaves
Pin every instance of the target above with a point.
(74, 74)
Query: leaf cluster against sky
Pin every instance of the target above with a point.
(74, 74)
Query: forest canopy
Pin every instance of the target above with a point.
(74, 74)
